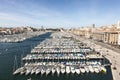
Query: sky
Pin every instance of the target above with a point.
(58, 13)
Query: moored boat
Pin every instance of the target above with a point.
(77, 70)
(67, 69)
(72, 69)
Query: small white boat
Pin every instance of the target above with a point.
(18, 71)
(96, 69)
(22, 72)
(37, 71)
(48, 71)
(91, 69)
(33, 70)
(67, 69)
(86, 69)
(28, 71)
(77, 70)
(99, 67)
(82, 69)
(53, 70)
(42, 71)
(63, 70)
(58, 70)
(72, 69)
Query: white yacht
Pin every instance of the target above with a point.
(67, 69)
(72, 69)
(96, 69)
(86, 69)
(38, 70)
(91, 69)
(82, 69)
(33, 70)
(23, 71)
(58, 70)
(42, 71)
(77, 70)
(18, 71)
(28, 71)
(48, 70)
(63, 70)
(53, 70)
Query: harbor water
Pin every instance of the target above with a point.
(8, 51)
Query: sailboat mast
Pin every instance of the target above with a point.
(15, 64)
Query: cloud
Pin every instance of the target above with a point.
(37, 13)
(34, 15)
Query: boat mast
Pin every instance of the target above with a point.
(21, 60)
(15, 66)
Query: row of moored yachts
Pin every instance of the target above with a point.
(60, 67)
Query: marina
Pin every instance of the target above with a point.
(59, 40)
(62, 54)
(39, 72)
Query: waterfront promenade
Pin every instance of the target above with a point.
(110, 53)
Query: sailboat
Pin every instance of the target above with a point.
(43, 68)
(72, 69)
(77, 70)
(28, 71)
(62, 68)
(47, 67)
(58, 65)
(47, 70)
(82, 69)
(15, 66)
(86, 68)
(91, 69)
(53, 70)
(19, 70)
(38, 70)
(53, 67)
(67, 69)
(96, 68)
(33, 70)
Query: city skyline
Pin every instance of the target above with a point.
(58, 13)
